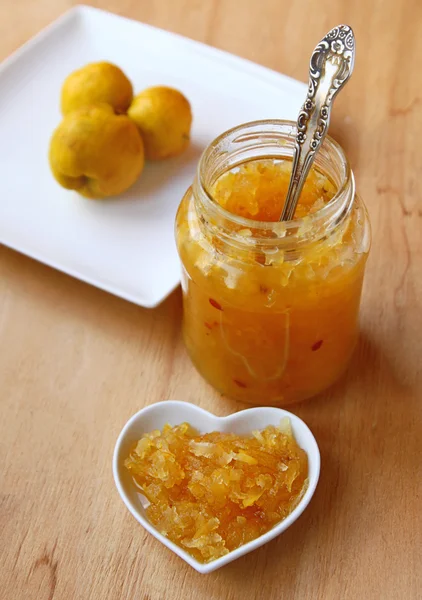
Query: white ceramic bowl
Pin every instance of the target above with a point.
(174, 412)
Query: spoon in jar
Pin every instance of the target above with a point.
(330, 67)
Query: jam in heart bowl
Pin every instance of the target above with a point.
(173, 412)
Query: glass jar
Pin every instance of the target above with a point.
(271, 309)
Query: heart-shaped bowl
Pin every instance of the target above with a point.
(243, 422)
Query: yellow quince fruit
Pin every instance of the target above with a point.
(96, 82)
(96, 152)
(164, 118)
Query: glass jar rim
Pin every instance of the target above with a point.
(313, 226)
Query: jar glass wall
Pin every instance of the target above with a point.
(271, 309)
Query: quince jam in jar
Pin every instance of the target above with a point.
(271, 308)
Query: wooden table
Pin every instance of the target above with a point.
(75, 362)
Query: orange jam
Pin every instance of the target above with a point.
(211, 493)
(270, 308)
(257, 190)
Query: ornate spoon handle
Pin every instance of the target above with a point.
(330, 67)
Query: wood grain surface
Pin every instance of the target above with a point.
(75, 362)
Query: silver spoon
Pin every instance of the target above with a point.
(330, 67)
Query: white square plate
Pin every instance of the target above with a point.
(124, 245)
